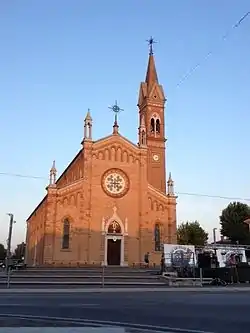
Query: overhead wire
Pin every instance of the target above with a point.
(189, 72)
(178, 193)
(19, 175)
(207, 55)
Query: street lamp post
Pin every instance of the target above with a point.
(214, 235)
(8, 255)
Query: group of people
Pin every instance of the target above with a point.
(182, 268)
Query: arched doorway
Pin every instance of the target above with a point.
(114, 232)
(114, 244)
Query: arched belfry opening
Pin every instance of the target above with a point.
(114, 231)
(152, 125)
(155, 125)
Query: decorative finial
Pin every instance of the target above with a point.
(151, 41)
(53, 172)
(116, 109)
(170, 184)
(88, 116)
(170, 177)
(53, 168)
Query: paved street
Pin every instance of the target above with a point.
(204, 311)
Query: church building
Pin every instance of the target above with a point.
(112, 204)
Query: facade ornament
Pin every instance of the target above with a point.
(52, 174)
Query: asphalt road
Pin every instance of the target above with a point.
(169, 311)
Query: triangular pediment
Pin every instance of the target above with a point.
(156, 92)
(117, 139)
(142, 93)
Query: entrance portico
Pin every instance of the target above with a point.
(114, 232)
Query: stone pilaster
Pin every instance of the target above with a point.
(87, 194)
(49, 234)
(143, 207)
(125, 249)
(102, 247)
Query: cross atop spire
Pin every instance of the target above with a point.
(151, 41)
(116, 109)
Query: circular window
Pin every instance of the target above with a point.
(115, 183)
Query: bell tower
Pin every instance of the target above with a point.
(151, 106)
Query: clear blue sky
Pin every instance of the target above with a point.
(59, 58)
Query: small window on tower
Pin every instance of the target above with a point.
(152, 125)
(143, 138)
(157, 126)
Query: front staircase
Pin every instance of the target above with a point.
(89, 277)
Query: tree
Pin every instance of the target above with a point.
(191, 233)
(19, 252)
(2, 252)
(232, 222)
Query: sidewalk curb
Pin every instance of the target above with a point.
(120, 290)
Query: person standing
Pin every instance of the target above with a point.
(146, 259)
(162, 264)
(233, 268)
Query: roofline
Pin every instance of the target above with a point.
(77, 155)
(41, 202)
(33, 212)
(121, 136)
(161, 194)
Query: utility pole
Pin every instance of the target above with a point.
(9, 241)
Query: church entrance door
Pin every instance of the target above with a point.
(114, 252)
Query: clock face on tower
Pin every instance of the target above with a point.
(156, 157)
(115, 183)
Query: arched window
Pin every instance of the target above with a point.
(157, 125)
(114, 228)
(157, 237)
(152, 125)
(66, 234)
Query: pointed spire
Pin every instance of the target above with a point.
(170, 177)
(88, 126)
(88, 116)
(170, 184)
(52, 174)
(53, 168)
(151, 76)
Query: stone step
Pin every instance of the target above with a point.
(80, 277)
(78, 270)
(85, 329)
(84, 280)
(82, 273)
(67, 284)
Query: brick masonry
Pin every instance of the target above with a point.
(79, 196)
